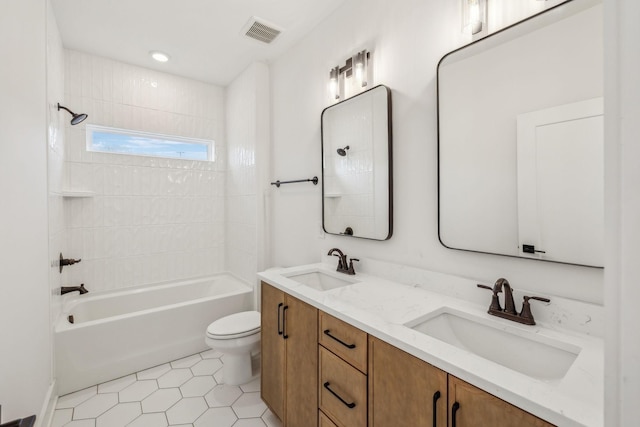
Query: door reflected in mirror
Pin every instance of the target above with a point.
(356, 166)
(520, 139)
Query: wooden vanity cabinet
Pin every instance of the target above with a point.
(471, 407)
(289, 354)
(404, 390)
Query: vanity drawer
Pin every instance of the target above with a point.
(348, 342)
(324, 421)
(343, 391)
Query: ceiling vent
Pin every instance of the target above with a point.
(261, 30)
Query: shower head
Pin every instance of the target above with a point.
(77, 118)
(343, 151)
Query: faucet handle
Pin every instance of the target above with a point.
(526, 308)
(351, 270)
(495, 302)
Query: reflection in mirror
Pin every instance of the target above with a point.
(520, 148)
(356, 166)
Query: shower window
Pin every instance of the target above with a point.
(123, 141)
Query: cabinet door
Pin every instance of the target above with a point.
(272, 380)
(404, 390)
(301, 338)
(472, 407)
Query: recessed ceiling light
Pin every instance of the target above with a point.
(159, 56)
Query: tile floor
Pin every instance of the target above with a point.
(187, 392)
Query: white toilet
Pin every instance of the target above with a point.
(236, 336)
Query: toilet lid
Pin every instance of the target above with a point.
(235, 325)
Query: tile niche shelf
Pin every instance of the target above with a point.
(68, 194)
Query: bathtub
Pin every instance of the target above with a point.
(116, 333)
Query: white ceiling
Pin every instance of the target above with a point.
(203, 37)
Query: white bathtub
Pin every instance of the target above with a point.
(116, 333)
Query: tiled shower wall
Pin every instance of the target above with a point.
(150, 219)
(55, 159)
(242, 242)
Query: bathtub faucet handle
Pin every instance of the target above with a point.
(67, 261)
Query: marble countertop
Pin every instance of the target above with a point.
(383, 307)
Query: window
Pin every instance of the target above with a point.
(122, 141)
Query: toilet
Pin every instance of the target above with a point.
(236, 336)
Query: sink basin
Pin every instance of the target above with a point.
(322, 280)
(526, 352)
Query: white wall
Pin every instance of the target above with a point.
(246, 106)
(407, 39)
(25, 370)
(622, 204)
(151, 219)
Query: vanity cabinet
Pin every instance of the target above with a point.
(471, 406)
(319, 371)
(404, 390)
(289, 353)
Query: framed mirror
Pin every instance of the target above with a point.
(520, 139)
(356, 166)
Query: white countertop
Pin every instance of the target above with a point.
(382, 307)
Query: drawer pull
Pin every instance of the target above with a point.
(454, 410)
(348, 405)
(284, 322)
(436, 396)
(280, 320)
(328, 333)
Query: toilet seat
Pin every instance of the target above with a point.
(236, 325)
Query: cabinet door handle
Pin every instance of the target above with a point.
(348, 405)
(454, 410)
(284, 322)
(327, 332)
(436, 396)
(279, 319)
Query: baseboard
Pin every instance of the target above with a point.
(48, 407)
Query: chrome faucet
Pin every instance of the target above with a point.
(509, 312)
(67, 289)
(344, 266)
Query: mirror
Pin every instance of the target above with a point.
(520, 139)
(356, 166)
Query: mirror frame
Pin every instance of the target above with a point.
(489, 36)
(389, 161)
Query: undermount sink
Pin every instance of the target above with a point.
(322, 280)
(526, 352)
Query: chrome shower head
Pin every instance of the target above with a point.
(342, 151)
(77, 118)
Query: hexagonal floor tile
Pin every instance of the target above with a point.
(251, 386)
(219, 417)
(161, 400)
(95, 406)
(72, 400)
(206, 367)
(250, 422)
(174, 378)
(186, 410)
(270, 419)
(223, 395)
(154, 373)
(249, 405)
(61, 417)
(117, 384)
(150, 420)
(211, 354)
(186, 362)
(120, 415)
(138, 391)
(198, 386)
(82, 423)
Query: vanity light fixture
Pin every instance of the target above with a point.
(351, 78)
(159, 56)
(334, 75)
(474, 14)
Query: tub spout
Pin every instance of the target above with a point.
(67, 289)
